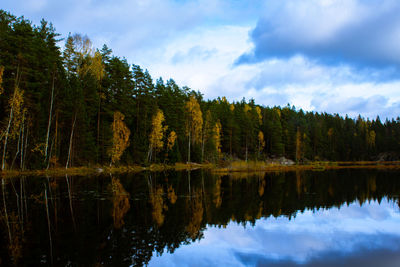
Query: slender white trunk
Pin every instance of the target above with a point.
(189, 147)
(70, 142)
(246, 149)
(49, 122)
(25, 147)
(6, 137)
(18, 148)
(202, 149)
(23, 141)
(150, 154)
(9, 121)
(51, 149)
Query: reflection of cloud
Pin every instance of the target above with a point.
(351, 236)
(363, 257)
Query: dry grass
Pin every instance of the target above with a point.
(231, 167)
(260, 166)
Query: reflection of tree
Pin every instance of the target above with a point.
(171, 195)
(214, 200)
(261, 187)
(156, 200)
(120, 203)
(15, 246)
(298, 183)
(196, 211)
(217, 199)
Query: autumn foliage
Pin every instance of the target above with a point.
(120, 139)
(120, 202)
(157, 134)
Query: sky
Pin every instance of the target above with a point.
(335, 56)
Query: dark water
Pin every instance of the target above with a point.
(331, 218)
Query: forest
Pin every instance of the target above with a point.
(84, 106)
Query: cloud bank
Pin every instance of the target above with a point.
(355, 32)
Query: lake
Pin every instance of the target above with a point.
(347, 217)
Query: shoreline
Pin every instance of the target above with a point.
(229, 167)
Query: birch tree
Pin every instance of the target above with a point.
(217, 137)
(157, 134)
(14, 119)
(194, 122)
(120, 140)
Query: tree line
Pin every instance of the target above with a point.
(81, 106)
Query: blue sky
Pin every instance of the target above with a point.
(338, 56)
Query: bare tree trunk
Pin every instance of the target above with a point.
(98, 127)
(9, 120)
(6, 137)
(18, 148)
(149, 154)
(230, 142)
(23, 141)
(25, 147)
(51, 148)
(246, 149)
(70, 142)
(189, 147)
(202, 149)
(50, 119)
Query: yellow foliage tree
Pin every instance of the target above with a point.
(194, 122)
(261, 141)
(14, 120)
(120, 139)
(217, 137)
(207, 132)
(371, 138)
(299, 145)
(16, 103)
(171, 140)
(259, 116)
(247, 108)
(157, 134)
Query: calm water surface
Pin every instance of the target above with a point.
(331, 218)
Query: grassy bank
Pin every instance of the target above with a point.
(224, 168)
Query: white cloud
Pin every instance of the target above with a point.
(361, 33)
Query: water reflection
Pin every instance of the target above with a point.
(177, 219)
